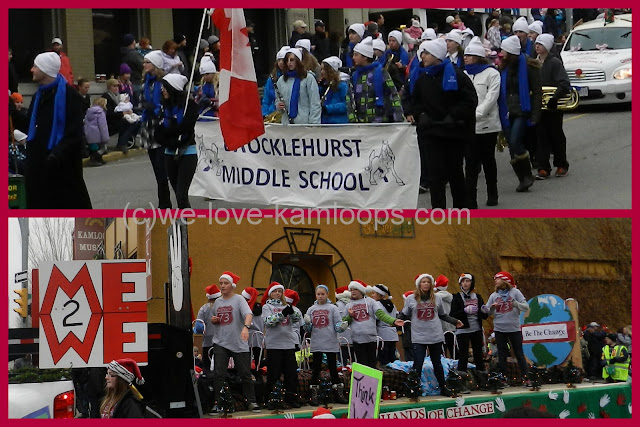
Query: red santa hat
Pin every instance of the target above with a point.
(506, 277)
(406, 294)
(230, 277)
(419, 278)
(343, 292)
(213, 292)
(322, 413)
(127, 369)
(251, 295)
(358, 285)
(291, 296)
(442, 283)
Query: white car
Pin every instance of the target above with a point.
(597, 57)
(55, 399)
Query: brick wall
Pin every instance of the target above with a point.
(80, 49)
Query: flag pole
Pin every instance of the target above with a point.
(195, 57)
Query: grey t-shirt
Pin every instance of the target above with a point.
(506, 315)
(386, 331)
(425, 323)
(232, 313)
(474, 324)
(342, 308)
(324, 337)
(205, 313)
(363, 321)
(281, 336)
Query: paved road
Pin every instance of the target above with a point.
(598, 149)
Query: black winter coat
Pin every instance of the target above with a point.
(553, 73)
(535, 88)
(134, 60)
(129, 407)
(54, 178)
(440, 114)
(178, 135)
(457, 310)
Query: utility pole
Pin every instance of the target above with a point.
(569, 20)
(24, 233)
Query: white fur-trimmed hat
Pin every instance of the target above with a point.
(230, 277)
(419, 278)
(358, 285)
(382, 290)
(343, 292)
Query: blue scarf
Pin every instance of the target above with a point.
(59, 112)
(400, 54)
(348, 59)
(460, 62)
(378, 81)
(474, 69)
(529, 48)
(523, 91)
(208, 91)
(295, 94)
(449, 80)
(176, 112)
(504, 293)
(154, 98)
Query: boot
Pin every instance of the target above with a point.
(446, 391)
(293, 400)
(522, 168)
(492, 195)
(483, 376)
(338, 394)
(314, 389)
(465, 378)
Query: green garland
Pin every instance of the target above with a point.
(35, 375)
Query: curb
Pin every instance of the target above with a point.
(117, 155)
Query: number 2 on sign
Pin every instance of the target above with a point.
(64, 322)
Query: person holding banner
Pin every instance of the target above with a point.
(176, 133)
(299, 91)
(280, 342)
(151, 114)
(442, 104)
(232, 321)
(205, 314)
(268, 92)
(122, 399)
(363, 313)
(426, 311)
(335, 98)
(323, 321)
(506, 304)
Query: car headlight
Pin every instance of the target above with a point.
(622, 73)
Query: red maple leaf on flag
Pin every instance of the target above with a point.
(582, 408)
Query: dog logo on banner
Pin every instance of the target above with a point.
(381, 164)
(209, 156)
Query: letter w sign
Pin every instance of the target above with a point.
(92, 312)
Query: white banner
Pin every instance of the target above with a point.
(545, 331)
(344, 166)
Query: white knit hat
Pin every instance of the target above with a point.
(429, 34)
(536, 27)
(19, 136)
(155, 57)
(365, 47)
(396, 35)
(437, 48)
(449, 19)
(475, 48)
(455, 36)
(207, 66)
(521, 24)
(334, 62)
(282, 52)
(177, 81)
(296, 52)
(358, 28)
(422, 276)
(48, 63)
(545, 40)
(304, 43)
(467, 32)
(511, 45)
(379, 44)
(358, 285)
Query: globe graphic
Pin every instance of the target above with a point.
(547, 308)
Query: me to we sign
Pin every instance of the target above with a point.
(92, 312)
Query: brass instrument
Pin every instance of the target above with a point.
(566, 103)
(389, 61)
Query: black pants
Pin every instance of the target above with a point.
(282, 362)
(206, 360)
(480, 155)
(531, 139)
(435, 350)
(450, 345)
(551, 140)
(348, 354)
(475, 338)
(425, 179)
(366, 353)
(180, 170)
(242, 363)
(156, 155)
(317, 367)
(387, 354)
(503, 350)
(444, 157)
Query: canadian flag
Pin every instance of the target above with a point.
(239, 103)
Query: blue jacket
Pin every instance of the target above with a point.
(269, 96)
(335, 105)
